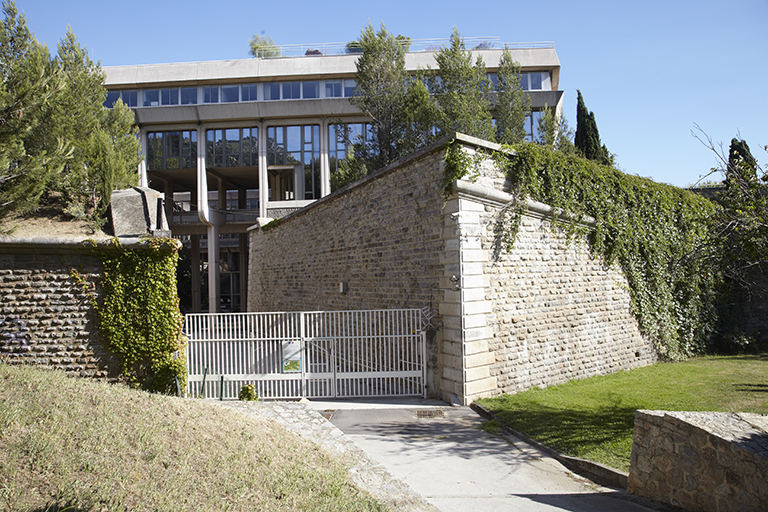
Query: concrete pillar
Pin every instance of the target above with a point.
(196, 292)
(214, 279)
(243, 271)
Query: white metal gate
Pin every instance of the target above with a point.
(324, 354)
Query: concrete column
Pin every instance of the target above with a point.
(196, 292)
(325, 165)
(142, 168)
(263, 175)
(168, 191)
(214, 279)
(243, 271)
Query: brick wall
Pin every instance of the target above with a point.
(45, 315)
(706, 461)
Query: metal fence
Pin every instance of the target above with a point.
(327, 354)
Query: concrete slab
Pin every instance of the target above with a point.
(442, 453)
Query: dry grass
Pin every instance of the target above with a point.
(72, 444)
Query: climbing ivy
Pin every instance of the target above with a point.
(656, 233)
(139, 315)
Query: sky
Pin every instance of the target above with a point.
(651, 71)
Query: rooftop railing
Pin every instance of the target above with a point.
(416, 45)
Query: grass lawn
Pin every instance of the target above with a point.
(594, 418)
(72, 444)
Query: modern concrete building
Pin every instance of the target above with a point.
(230, 141)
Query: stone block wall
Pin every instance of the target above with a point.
(46, 317)
(541, 314)
(701, 461)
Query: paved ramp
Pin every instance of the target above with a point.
(443, 454)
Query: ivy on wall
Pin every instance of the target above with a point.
(656, 233)
(139, 315)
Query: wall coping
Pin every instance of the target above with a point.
(10, 244)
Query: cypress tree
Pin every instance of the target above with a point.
(587, 139)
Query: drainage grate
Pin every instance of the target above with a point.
(430, 413)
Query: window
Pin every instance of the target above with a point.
(532, 126)
(233, 147)
(189, 95)
(172, 150)
(535, 81)
(210, 94)
(169, 97)
(151, 98)
(112, 97)
(333, 88)
(249, 92)
(291, 90)
(350, 88)
(271, 91)
(311, 90)
(230, 93)
(342, 137)
(130, 98)
(289, 148)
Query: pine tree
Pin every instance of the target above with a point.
(513, 105)
(462, 91)
(587, 139)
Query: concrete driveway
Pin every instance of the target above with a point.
(442, 453)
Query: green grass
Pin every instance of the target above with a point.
(594, 418)
(73, 444)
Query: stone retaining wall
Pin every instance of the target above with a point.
(46, 317)
(505, 321)
(703, 461)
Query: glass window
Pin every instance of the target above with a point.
(494, 78)
(152, 98)
(154, 151)
(210, 94)
(233, 147)
(311, 90)
(333, 88)
(112, 97)
(189, 149)
(248, 92)
(524, 81)
(230, 93)
(350, 88)
(272, 91)
(130, 98)
(189, 95)
(291, 90)
(535, 81)
(169, 97)
(291, 146)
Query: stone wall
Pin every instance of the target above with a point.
(46, 317)
(542, 314)
(707, 461)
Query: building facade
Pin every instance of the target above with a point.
(230, 141)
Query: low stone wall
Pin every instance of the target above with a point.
(46, 316)
(702, 461)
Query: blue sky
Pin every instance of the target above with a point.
(649, 70)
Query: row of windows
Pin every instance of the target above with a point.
(286, 145)
(271, 91)
(233, 93)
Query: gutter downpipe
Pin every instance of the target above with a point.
(210, 219)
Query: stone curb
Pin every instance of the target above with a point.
(598, 473)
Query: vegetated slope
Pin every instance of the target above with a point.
(83, 445)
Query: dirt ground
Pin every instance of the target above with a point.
(48, 221)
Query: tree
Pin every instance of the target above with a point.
(587, 139)
(513, 105)
(29, 82)
(555, 132)
(462, 91)
(58, 135)
(400, 108)
(263, 46)
(740, 240)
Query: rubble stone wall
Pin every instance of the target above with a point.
(46, 317)
(704, 461)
